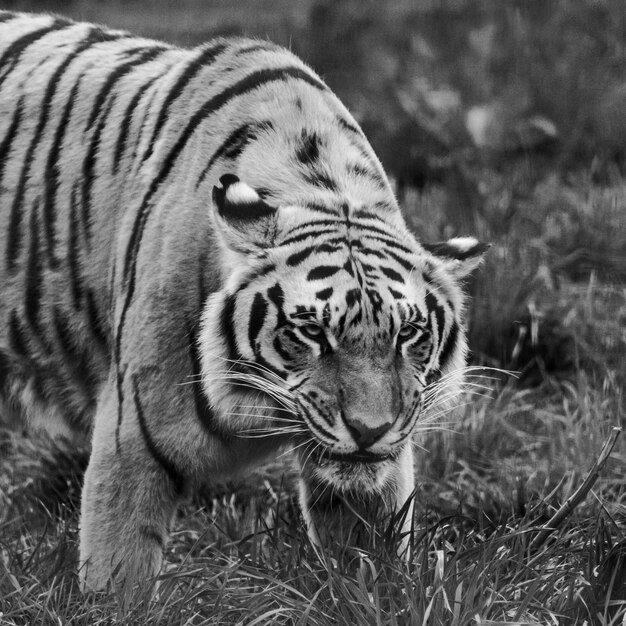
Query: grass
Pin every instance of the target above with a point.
(550, 303)
(239, 553)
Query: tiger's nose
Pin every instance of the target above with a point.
(365, 435)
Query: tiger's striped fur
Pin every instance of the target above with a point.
(201, 262)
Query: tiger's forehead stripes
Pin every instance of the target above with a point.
(351, 299)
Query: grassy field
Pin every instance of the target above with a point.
(543, 179)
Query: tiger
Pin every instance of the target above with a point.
(203, 266)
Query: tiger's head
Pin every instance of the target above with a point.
(332, 327)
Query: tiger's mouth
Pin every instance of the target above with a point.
(352, 458)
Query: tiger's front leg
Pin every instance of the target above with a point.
(128, 501)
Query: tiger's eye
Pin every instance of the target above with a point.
(312, 331)
(407, 332)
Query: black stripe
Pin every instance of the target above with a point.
(308, 414)
(13, 53)
(368, 215)
(324, 294)
(306, 235)
(433, 306)
(370, 228)
(277, 297)
(366, 171)
(18, 341)
(127, 117)
(94, 323)
(353, 296)
(348, 267)
(258, 313)
(328, 417)
(13, 231)
(385, 206)
(321, 179)
(318, 208)
(166, 464)
(392, 274)
(7, 16)
(327, 247)
(234, 144)
(4, 369)
(147, 117)
(34, 277)
(265, 46)
(203, 411)
(72, 252)
(407, 265)
(449, 345)
(322, 271)
(410, 413)
(205, 58)
(130, 52)
(396, 294)
(326, 315)
(376, 302)
(227, 321)
(52, 176)
(350, 127)
(87, 175)
(7, 140)
(341, 322)
(311, 223)
(119, 380)
(298, 257)
(308, 150)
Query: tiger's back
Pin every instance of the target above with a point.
(197, 246)
(87, 117)
(64, 180)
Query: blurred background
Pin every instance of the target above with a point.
(504, 119)
(501, 119)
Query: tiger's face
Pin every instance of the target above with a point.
(333, 329)
(355, 359)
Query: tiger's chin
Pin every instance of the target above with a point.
(354, 474)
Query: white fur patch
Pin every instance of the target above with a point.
(240, 193)
(463, 244)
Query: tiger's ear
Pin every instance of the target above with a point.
(243, 219)
(459, 256)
